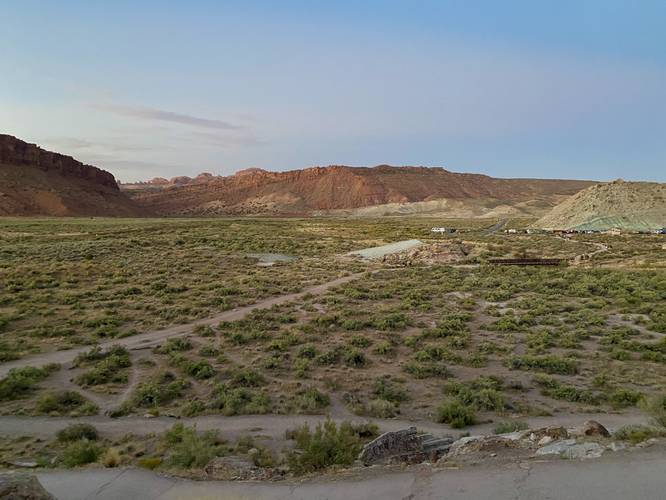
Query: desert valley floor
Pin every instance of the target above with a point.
(168, 344)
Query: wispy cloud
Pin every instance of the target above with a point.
(228, 141)
(76, 144)
(146, 113)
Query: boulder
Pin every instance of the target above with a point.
(591, 428)
(568, 448)
(583, 450)
(486, 444)
(554, 432)
(389, 445)
(556, 448)
(404, 446)
(22, 487)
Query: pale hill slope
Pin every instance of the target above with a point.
(625, 205)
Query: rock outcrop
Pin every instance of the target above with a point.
(336, 188)
(17, 486)
(34, 181)
(13, 151)
(404, 446)
(408, 446)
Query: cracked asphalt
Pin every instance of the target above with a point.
(621, 476)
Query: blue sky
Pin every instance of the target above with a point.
(568, 89)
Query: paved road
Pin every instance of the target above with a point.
(622, 476)
(495, 227)
(155, 337)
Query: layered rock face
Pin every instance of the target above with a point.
(34, 181)
(14, 151)
(340, 188)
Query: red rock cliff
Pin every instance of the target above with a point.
(14, 151)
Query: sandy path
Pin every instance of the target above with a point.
(578, 259)
(155, 337)
(274, 426)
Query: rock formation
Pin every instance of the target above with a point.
(34, 181)
(341, 188)
(19, 486)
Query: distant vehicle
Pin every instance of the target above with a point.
(662, 230)
(442, 230)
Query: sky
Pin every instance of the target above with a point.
(544, 89)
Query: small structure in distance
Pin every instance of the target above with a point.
(443, 230)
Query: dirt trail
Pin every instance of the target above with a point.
(578, 259)
(274, 426)
(62, 379)
(156, 337)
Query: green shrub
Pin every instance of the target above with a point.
(200, 370)
(454, 412)
(75, 432)
(107, 366)
(380, 408)
(360, 341)
(510, 426)
(426, 370)
(656, 406)
(384, 388)
(622, 398)
(311, 400)
(301, 367)
(150, 463)
(480, 394)
(384, 348)
(392, 321)
(556, 390)
(203, 331)
(620, 355)
(638, 433)
(306, 352)
(326, 446)
(189, 449)
(247, 377)
(8, 352)
(548, 364)
(329, 357)
(452, 325)
(355, 358)
(240, 401)
(209, 351)
(64, 403)
(21, 381)
(172, 345)
(80, 452)
(161, 390)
